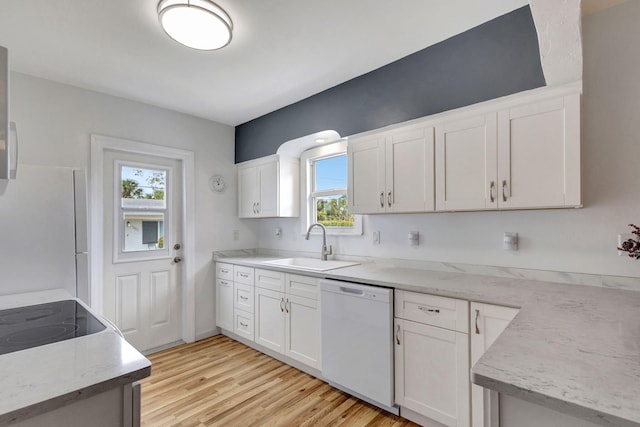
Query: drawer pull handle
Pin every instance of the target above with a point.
(492, 189)
(244, 298)
(287, 305)
(224, 270)
(382, 199)
(389, 199)
(429, 310)
(244, 325)
(477, 328)
(398, 335)
(281, 302)
(245, 275)
(224, 282)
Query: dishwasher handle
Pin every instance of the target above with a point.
(351, 291)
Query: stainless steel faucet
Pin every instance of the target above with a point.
(325, 252)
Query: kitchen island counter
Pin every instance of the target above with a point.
(44, 378)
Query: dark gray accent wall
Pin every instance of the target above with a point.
(497, 58)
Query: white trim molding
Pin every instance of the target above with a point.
(99, 144)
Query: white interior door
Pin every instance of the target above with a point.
(142, 247)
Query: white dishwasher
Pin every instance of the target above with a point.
(357, 341)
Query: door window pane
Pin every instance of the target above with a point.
(143, 188)
(143, 231)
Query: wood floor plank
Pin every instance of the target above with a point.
(220, 382)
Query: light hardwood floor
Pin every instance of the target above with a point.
(218, 381)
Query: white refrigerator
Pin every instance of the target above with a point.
(43, 231)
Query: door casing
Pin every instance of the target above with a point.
(99, 144)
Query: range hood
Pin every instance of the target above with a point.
(8, 134)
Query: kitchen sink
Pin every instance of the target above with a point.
(312, 264)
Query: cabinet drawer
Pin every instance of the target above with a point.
(432, 310)
(243, 297)
(268, 279)
(243, 324)
(224, 271)
(243, 275)
(302, 286)
(224, 282)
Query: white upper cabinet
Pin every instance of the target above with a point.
(269, 187)
(539, 154)
(517, 152)
(392, 171)
(523, 157)
(366, 174)
(466, 171)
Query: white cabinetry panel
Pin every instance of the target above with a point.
(432, 372)
(539, 154)
(224, 304)
(269, 187)
(391, 171)
(466, 164)
(269, 319)
(487, 323)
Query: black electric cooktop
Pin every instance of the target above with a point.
(36, 325)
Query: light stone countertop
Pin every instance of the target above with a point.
(40, 379)
(571, 348)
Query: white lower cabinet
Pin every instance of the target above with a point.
(487, 323)
(269, 319)
(224, 304)
(289, 323)
(302, 327)
(432, 362)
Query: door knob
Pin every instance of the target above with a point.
(177, 260)
(177, 246)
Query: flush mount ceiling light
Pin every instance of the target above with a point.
(199, 24)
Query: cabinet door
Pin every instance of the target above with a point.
(247, 192)
(466, 164)
(432, 372)
(269, 319)
(410, 170)
(224, 304)
(366, 175)
(539, 154)
(487, 323)
(303, 330)
(268, 188)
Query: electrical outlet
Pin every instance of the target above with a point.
(624, 238)
(414, 238)
(376, 237)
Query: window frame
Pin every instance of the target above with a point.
(307, 158)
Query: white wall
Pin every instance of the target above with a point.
(575, 240)
(55, 122)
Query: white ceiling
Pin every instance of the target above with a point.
(282, 50)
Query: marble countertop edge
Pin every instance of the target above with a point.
(587, 413)
(38, 408)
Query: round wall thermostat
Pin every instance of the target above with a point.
(217, 184)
